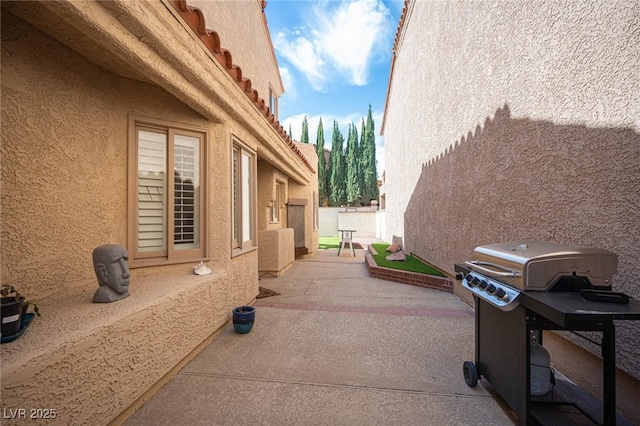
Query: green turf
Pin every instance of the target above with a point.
(412, 264)
(325, 243)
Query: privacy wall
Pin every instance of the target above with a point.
(517, 120)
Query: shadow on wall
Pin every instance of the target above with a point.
(516, 178)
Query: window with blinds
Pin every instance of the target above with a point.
(152, 191)
(185, 200)
(168, 211)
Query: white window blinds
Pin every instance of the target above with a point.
(246, 197)
(186, 184)
(152, 191)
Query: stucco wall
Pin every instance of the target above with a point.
(306, 192)
(276, 251)
(329, 221)
(239, 24)
(64, 152)
(364, 223)
(364, 220)
(515, 120)
(64, 189)
(268, 176)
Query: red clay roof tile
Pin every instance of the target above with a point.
(196, 21)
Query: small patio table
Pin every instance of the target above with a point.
(346, 238)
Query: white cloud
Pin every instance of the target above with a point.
(302, 54)
(339, 39)
(288, 81)
(352, 35)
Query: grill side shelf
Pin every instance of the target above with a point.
(569, 308)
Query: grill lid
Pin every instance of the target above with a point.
(537, 265)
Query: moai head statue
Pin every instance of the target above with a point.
(112, 270)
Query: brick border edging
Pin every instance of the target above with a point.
(405, 277)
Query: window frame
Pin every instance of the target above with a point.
(170, 255)
(240, 246)
(276, 204)
(273, 102)
(316, 210)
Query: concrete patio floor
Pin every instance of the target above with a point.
(336, 347)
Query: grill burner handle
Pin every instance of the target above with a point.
(477, 265)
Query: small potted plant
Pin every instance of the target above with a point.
(11, 303)
(243, 319)
(15, 317)
(30, 302)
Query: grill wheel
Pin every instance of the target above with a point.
(470, 373)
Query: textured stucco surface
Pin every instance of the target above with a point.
(64, 192)
(277, 252)
(239, 24)
(268, 176)
(297, 190)
(362, 222)
(329, 221)
(513, 120)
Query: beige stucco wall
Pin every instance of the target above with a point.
(268, 176)
(64, 192)
(306, 192)
(276, 251)
(64, 187)
(239, 24)
(515, 120)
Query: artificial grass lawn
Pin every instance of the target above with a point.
(412, 264)
(325, 243)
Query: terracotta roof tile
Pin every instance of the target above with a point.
(196, 21)
(403, 16)
(401, 23)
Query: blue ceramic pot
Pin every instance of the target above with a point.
(243, 319)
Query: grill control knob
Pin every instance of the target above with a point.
(501, 294)
(491, 288)
(475, 281)
(468, 277)
(483, 285)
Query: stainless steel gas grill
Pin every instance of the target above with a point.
(522, 288)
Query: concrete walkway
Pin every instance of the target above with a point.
(335, 348)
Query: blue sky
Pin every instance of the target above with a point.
(334, 58)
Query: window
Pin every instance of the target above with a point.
(316, 212)
(273, 103)
(167, 218)
(244, 197)
(277, 202)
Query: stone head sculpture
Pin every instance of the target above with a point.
(112, 270)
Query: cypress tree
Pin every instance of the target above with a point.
(304, 138)
(322, 177)
(353, 189)
(343, 171)
(336, 167)
(370, 173)
(361, 163)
